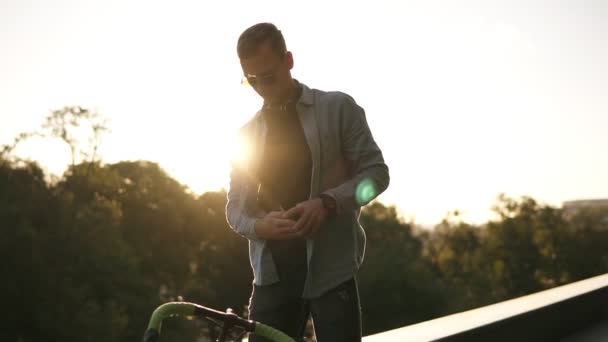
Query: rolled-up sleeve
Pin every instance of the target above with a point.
(370, 172)
(240, 207)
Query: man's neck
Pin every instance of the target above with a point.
(291, 93)
(294, 90)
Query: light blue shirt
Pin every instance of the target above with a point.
(347, 164)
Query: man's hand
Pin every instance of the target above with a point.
(310, 215)
(274, 226)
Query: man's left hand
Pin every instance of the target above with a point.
(309, 215)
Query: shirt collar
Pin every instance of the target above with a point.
(307, 97)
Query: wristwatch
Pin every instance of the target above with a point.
(329, 203)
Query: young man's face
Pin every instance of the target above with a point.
(268, 72)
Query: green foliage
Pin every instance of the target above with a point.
(90, 256)
(531, 247)
(397, 286)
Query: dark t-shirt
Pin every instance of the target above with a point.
(285, 178)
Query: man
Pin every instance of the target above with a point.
(313, 164)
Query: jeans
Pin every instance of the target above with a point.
(336, 314)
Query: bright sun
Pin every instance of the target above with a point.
(208, 169)
(239, 151)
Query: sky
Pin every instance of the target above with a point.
(467, 99)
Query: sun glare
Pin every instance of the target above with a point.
(239, 151)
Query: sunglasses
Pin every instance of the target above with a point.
(266, 79)
(255, 80)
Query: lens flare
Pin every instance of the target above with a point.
(366, 191)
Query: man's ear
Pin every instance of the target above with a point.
(289, 57)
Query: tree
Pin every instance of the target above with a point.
(454, 249)
(73, 125)
(397, 286)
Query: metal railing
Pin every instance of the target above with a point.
(549, 315)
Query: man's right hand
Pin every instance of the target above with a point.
(274, 227)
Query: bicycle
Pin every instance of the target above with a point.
(228, 319)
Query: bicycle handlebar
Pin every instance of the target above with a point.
(229, 320)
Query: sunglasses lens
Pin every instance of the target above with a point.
(256, 80)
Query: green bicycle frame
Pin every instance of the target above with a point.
(228, 319)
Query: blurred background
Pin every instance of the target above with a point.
(119, 122)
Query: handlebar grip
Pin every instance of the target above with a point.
(164, 311)
(271, 333)
(151, 335)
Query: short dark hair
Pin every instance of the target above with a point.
(251, 39)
